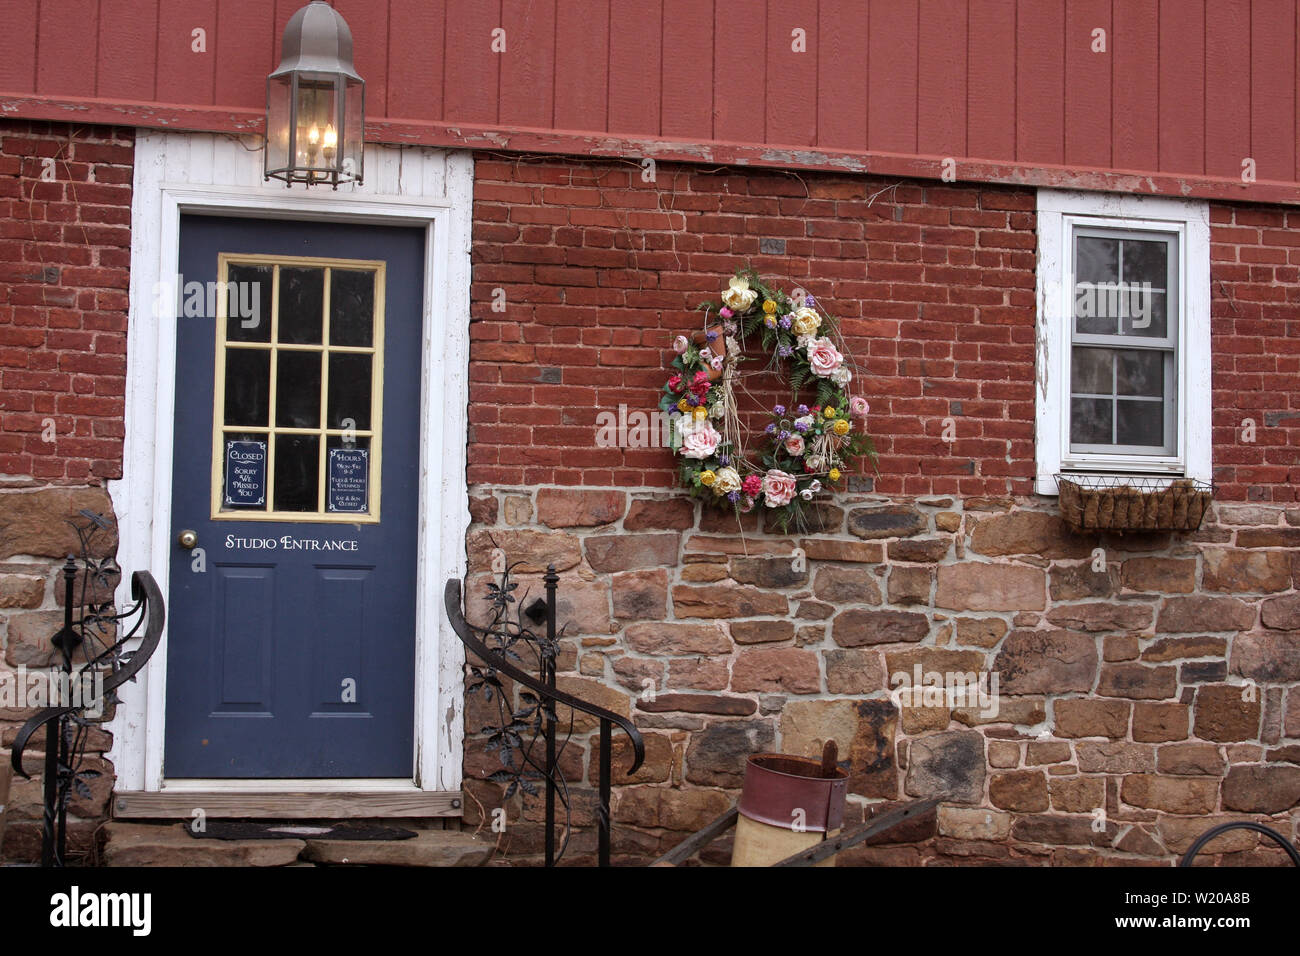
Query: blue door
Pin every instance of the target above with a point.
(291, 624)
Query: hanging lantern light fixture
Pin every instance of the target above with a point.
(315, 103)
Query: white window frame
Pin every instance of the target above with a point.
(1059, 212)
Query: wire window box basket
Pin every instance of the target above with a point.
(1111, 503)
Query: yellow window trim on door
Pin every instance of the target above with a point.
(374, 433)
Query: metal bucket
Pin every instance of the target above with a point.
(786, 805)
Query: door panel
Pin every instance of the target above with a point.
(291, 633)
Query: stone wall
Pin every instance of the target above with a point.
(1148, 684)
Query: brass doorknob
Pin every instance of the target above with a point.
(187, 539)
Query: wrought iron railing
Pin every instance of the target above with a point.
(495, 646)
(97, 642)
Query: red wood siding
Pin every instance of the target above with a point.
(1184, 88)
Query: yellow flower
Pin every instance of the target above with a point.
(706, 478)
(841, 427)
(769, 306)
(701, 414)
(829, 413)
(834, 475)
(683, 405)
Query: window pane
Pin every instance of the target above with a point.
(248, 386)
(1091, 372)
(248, 303)
(349, 390)
(1096, 260)
(1145, 313)
(297, 389)
(347, 481)
(302, 300)
(1090, 421)
(1146, 261)
(1096, 309)
(1140, 423)
(243, 466)
(1140, 373)
(297, 467)
(352, 307)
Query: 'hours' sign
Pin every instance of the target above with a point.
(349, 480)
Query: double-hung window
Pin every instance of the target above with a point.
(1123, 364)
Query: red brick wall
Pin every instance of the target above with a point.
(934, 286)
(65, 251)
(1255, 286)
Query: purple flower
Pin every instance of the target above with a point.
(770, 429)
(710, 335)
(802, 410)
(783, 435)
(809, 301)
(778, 410)
(733, 496)
(785, 322)
(724, 460)
(784, 351)
(801, 427)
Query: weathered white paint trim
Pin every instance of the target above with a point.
(1190, 219)
(178, 173)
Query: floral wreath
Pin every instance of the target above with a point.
(808, 447)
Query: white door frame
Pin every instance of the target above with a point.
(199, 173)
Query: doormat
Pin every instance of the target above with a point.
(245, 830)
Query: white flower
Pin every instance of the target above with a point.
(739, 296)
(727, 481)
(806, 494)
(842, 376)
(806, 421)
(805, 321)
(815, 486)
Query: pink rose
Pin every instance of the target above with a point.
(778, 488)
(824, 357)
(794, 445)
(858, 407)
(699, 439)
(680, 344)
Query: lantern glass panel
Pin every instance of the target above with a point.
(317, 141)
(279, 122)
(353, 134)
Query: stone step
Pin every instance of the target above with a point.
(427, 848)
(145, 844)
